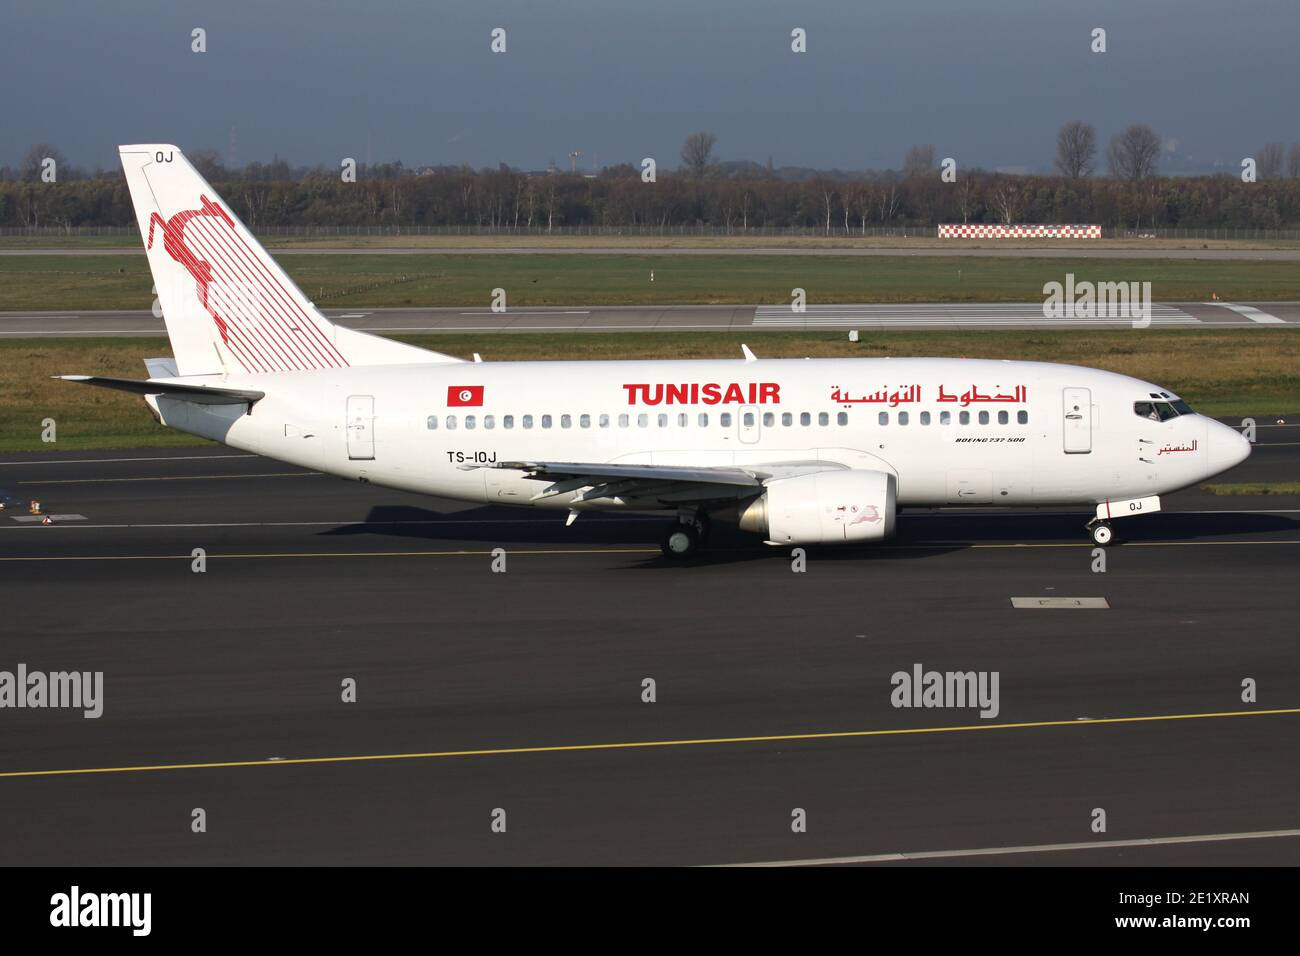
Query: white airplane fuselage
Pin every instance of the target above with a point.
(950, 431)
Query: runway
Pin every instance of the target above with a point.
(698, 318)
(922, 247)
(522, 691)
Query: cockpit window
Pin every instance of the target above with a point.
(1182, 408)
(1160, 411)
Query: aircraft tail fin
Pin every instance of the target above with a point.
(227, 304)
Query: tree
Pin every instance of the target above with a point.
(1133, 153)
(32, 163)
(1293, 162)
(918, 161)
(697, 152)
(1076, 149)
(1269, 165)
(1007, 198)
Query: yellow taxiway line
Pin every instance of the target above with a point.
(648, 744)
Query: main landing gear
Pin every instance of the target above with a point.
(683, 537)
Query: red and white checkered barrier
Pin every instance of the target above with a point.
(1024, 231)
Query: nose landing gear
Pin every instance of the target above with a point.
(1101, 532)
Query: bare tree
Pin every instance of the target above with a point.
(1133, 153)
(697, 152)
(1293, 162)
(1269, 164)
(32, 164)
(1076, 149)
(1006, 198)
(918, 161)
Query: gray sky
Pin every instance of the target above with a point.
(987, 83)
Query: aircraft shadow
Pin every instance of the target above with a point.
(920, 534)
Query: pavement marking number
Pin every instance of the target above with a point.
(1060, 602)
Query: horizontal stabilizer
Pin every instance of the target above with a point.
(202, 394)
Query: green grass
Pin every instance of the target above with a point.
(1221, 372)
(434, 279)
(1255, 488)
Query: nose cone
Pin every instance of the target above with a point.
(1227, 447)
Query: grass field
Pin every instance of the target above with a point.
(1138, 247)
(1220, 372)
(1254, 488)
(436, 279)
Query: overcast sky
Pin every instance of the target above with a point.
(317, 80)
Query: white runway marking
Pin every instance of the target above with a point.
(354, 522)
(1036, 848)
(1069, 603)
(104, 461)
(36, 519)
(1011, 314)
(1252, 313)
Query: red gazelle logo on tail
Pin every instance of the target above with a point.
(174, 242)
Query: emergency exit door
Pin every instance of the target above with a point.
(361, 427)
(1077, 420)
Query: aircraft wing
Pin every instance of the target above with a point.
(675, 483)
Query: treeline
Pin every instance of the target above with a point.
(737, 200)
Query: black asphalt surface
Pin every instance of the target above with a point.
(311, 580)
(687, 318)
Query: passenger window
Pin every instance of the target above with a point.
(945, 418)
(489, 421)
(566, 421)
(1022, 417)
(528, 421)
(902, 418)
(663, 421)
(984, 418)
(584, 421)
(823, 418)
(622, 421)
(432, 423)
(451, 423)
(748, 419)
(725, 419)
(470, 421)
(683, 419)
(642, 420)
(883, 418)
(787, 419)
(963, 418)
(769, 419)
(604, 421)
(703, 419)
(507, 421)
(925, 418)
(842, 418)
(1003, 417)
(546, 421)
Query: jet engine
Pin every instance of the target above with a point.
(825, 507)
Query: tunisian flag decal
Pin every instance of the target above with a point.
(462, 395)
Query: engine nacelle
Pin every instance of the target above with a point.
(826, 507)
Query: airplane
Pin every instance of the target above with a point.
(803, 452)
